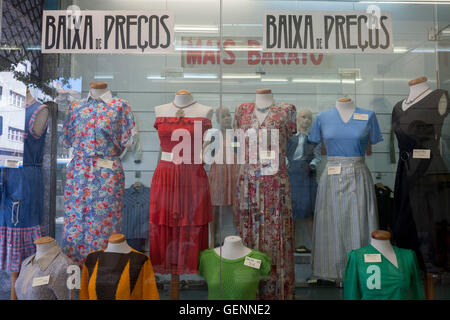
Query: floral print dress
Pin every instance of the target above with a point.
(263, 201)
(98, 131)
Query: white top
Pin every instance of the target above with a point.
(121, 247)
(262, 102)
(385, 247)
(103, 94)
(345, 109)
(232, 248)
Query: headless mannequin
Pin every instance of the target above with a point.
(191, 108)
(42, 246)
(418, 90)
(380, 241)
(345, 107)
(118, 244)
(264, 99)
(232, 248)
(40, 122)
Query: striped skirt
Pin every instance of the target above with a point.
(345, 216)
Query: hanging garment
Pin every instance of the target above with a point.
(346, 209)
(421, 217)
(118, 276)
(22, 197)
(382, 280)
(232, 279)
(98, 131)
(385, 204)
(135, 215)
(180, 202)
(263, 202)
(301, 154)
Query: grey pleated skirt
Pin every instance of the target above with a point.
(345, 216)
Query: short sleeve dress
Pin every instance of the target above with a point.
(98, 131)
(263, 204)
(346, 208)
(421, 217)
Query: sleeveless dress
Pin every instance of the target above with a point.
(21, 206)
(421, 217)
(263, 198)
(180, 202)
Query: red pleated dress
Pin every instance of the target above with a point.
(180, 201)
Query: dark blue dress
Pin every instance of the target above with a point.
(21, 203)
(302, 178)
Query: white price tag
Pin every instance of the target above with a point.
(421, 153)
(253, 263)
(376, 257)
(235, 144)
(361, 116)
(334, 170)
(267, 155)
(167, 156)
(12, 163)
(104, 163)
(41, 281)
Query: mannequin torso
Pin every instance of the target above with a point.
(232, 248)
(43, 248)
(419, 91)
(263, 101)
(345, 109)
(385, 247)
(192, 109)
(104, 94)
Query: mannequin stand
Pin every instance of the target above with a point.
(175, 287)
(428, 284)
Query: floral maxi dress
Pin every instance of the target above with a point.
(99, 132)
(263, 199)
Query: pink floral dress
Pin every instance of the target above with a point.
(94, 189)
(263, 201)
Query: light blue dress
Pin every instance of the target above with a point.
(345, 211)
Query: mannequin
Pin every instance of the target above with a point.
(380, 241)
(418, 90)
(40, 122)
(184, 105)
(176, 114)
(100, 90)
(264, 99)
(346, 107)
(232, 248)
(118, 244)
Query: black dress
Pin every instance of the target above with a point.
(421, 212)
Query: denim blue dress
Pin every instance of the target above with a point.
(21, 203)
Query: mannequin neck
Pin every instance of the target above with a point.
(233, 248)
(386, 249)
(263, 101)
(29, 98)
(97, 93)
(121, 247)
(43, 248)
(417, 89)
(345, 106)
(182, 100)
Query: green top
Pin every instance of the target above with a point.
(239, 282)
(382, 280)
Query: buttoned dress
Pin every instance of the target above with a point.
(98, 130)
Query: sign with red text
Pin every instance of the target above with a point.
(328, 31)
(242, 52)
(86, 31)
